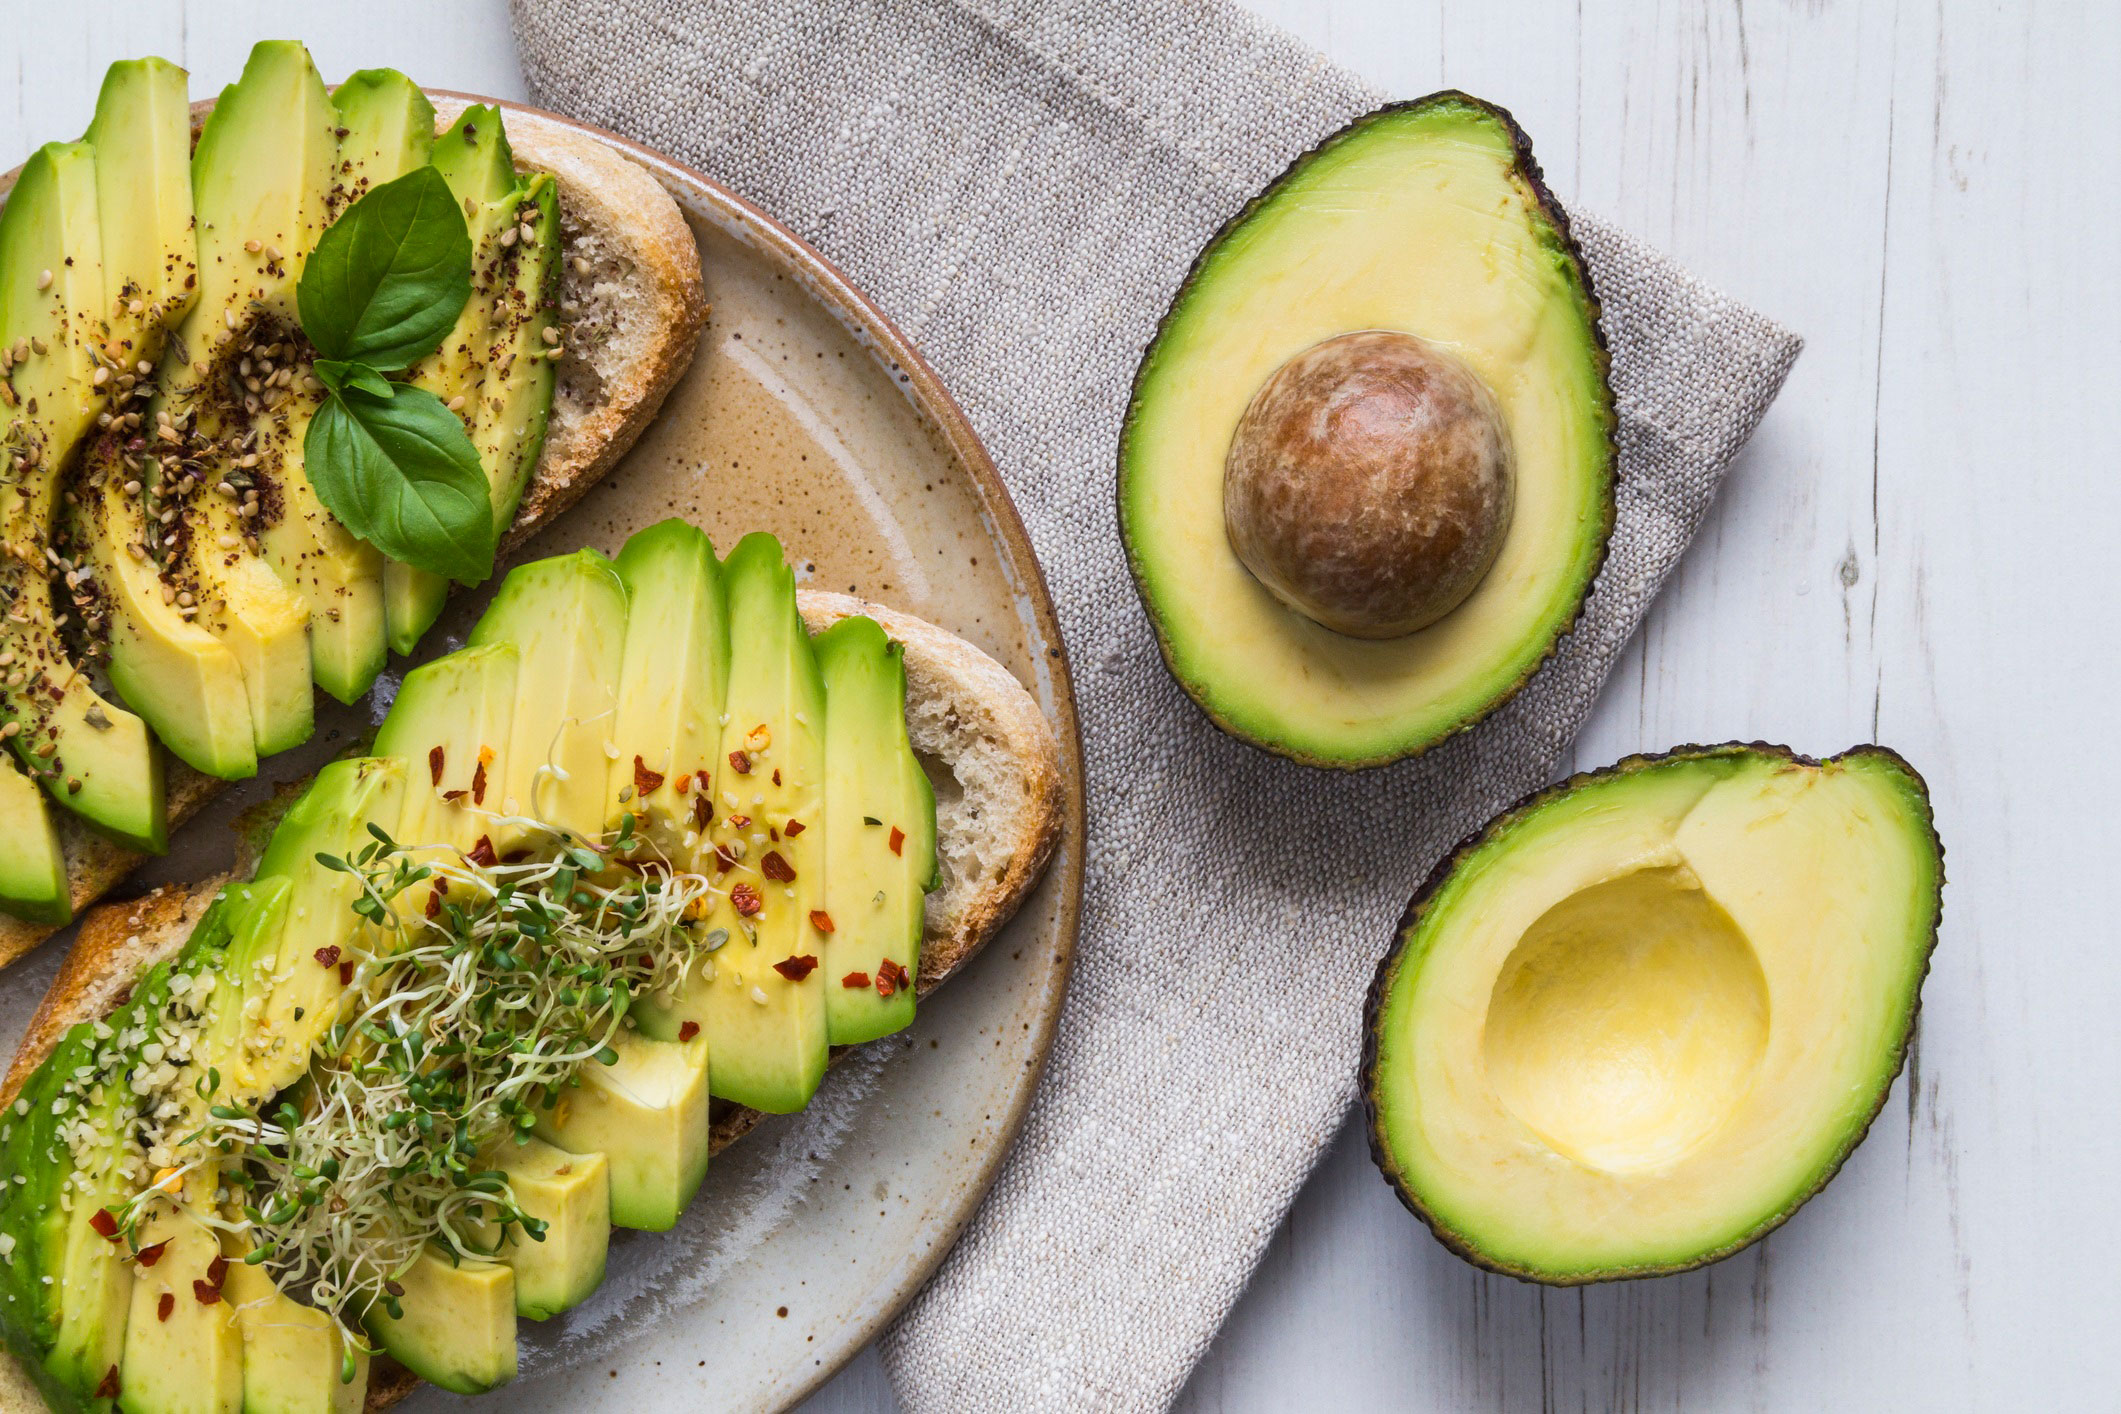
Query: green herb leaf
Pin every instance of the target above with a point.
(388, 278)
(339, 377)
(402, 475)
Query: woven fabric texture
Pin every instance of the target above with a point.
(1022, 187)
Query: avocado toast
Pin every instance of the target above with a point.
(626, 1144)
(627, 288)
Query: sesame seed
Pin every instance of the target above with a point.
(44, 279)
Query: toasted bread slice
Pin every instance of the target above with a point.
(632, 271)
(988, 750)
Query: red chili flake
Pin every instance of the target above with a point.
(104, 1224)
(645, 781)
(855, 981)
(345, 973)
(821, 920)
(434, 904)
(482, 854)
(109, 1388)
(167, 1304)
(206, 1291)
(702, 810)
(890, 978)
(773, 834)
(746, 899)
(683, 784)
(328, 956)
(689, 1030)
(776, 775)
(434, 764)
(453, 796)
(898, 838)
(217, 1271)
(795, 969)
(478, 779)
(776, 868)
(442, 887)
(148, 1256)
(740, 763)
(515, 856)
(794, 828)
(740, 822)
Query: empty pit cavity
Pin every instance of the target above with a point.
(1628, 1021)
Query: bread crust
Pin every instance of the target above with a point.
(948, 681)
(604, 193)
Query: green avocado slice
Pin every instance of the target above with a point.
(71, 1140)
(879, 824)
(566, 617)
(32, 863)
(294, 1357)
(560, 1268)
(458, 1329)
(88, 753)
(320, 937)
(384, 127)
(261, 178)
(758, 996)
(1639, 1019)
(673, 680)
(1428, 219)
(179, 678)
(646, 1113)
(495, 367)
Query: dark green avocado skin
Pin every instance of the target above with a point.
(1528, 168)
(1380, 987)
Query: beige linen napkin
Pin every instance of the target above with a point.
(1021, 187)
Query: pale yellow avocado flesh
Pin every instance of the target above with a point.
(1417, 220)
(1644, 1018)
(293, 1355)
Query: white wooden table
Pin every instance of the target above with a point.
(1918, 549)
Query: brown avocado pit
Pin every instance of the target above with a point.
(1369, 483)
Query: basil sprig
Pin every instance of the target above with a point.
(380, 292)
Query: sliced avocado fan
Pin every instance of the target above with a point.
(661, 717)
(1636, 1022)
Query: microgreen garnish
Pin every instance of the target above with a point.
(461, 1027)
(380, 292)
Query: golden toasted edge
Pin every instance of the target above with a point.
(622, 203)
(119, 941)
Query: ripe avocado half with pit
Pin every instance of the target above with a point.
(1428, 218)
(1633, 1024)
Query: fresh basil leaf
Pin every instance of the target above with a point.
(339, 376)
(389, 277)
(402, 474)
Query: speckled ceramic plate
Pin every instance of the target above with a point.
(808, 414)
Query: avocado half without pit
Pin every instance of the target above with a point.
(1633, 1024)
(1366, 474)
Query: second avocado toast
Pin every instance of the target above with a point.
(616, 877)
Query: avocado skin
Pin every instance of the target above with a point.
(1388, 966)
(1527, 169)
